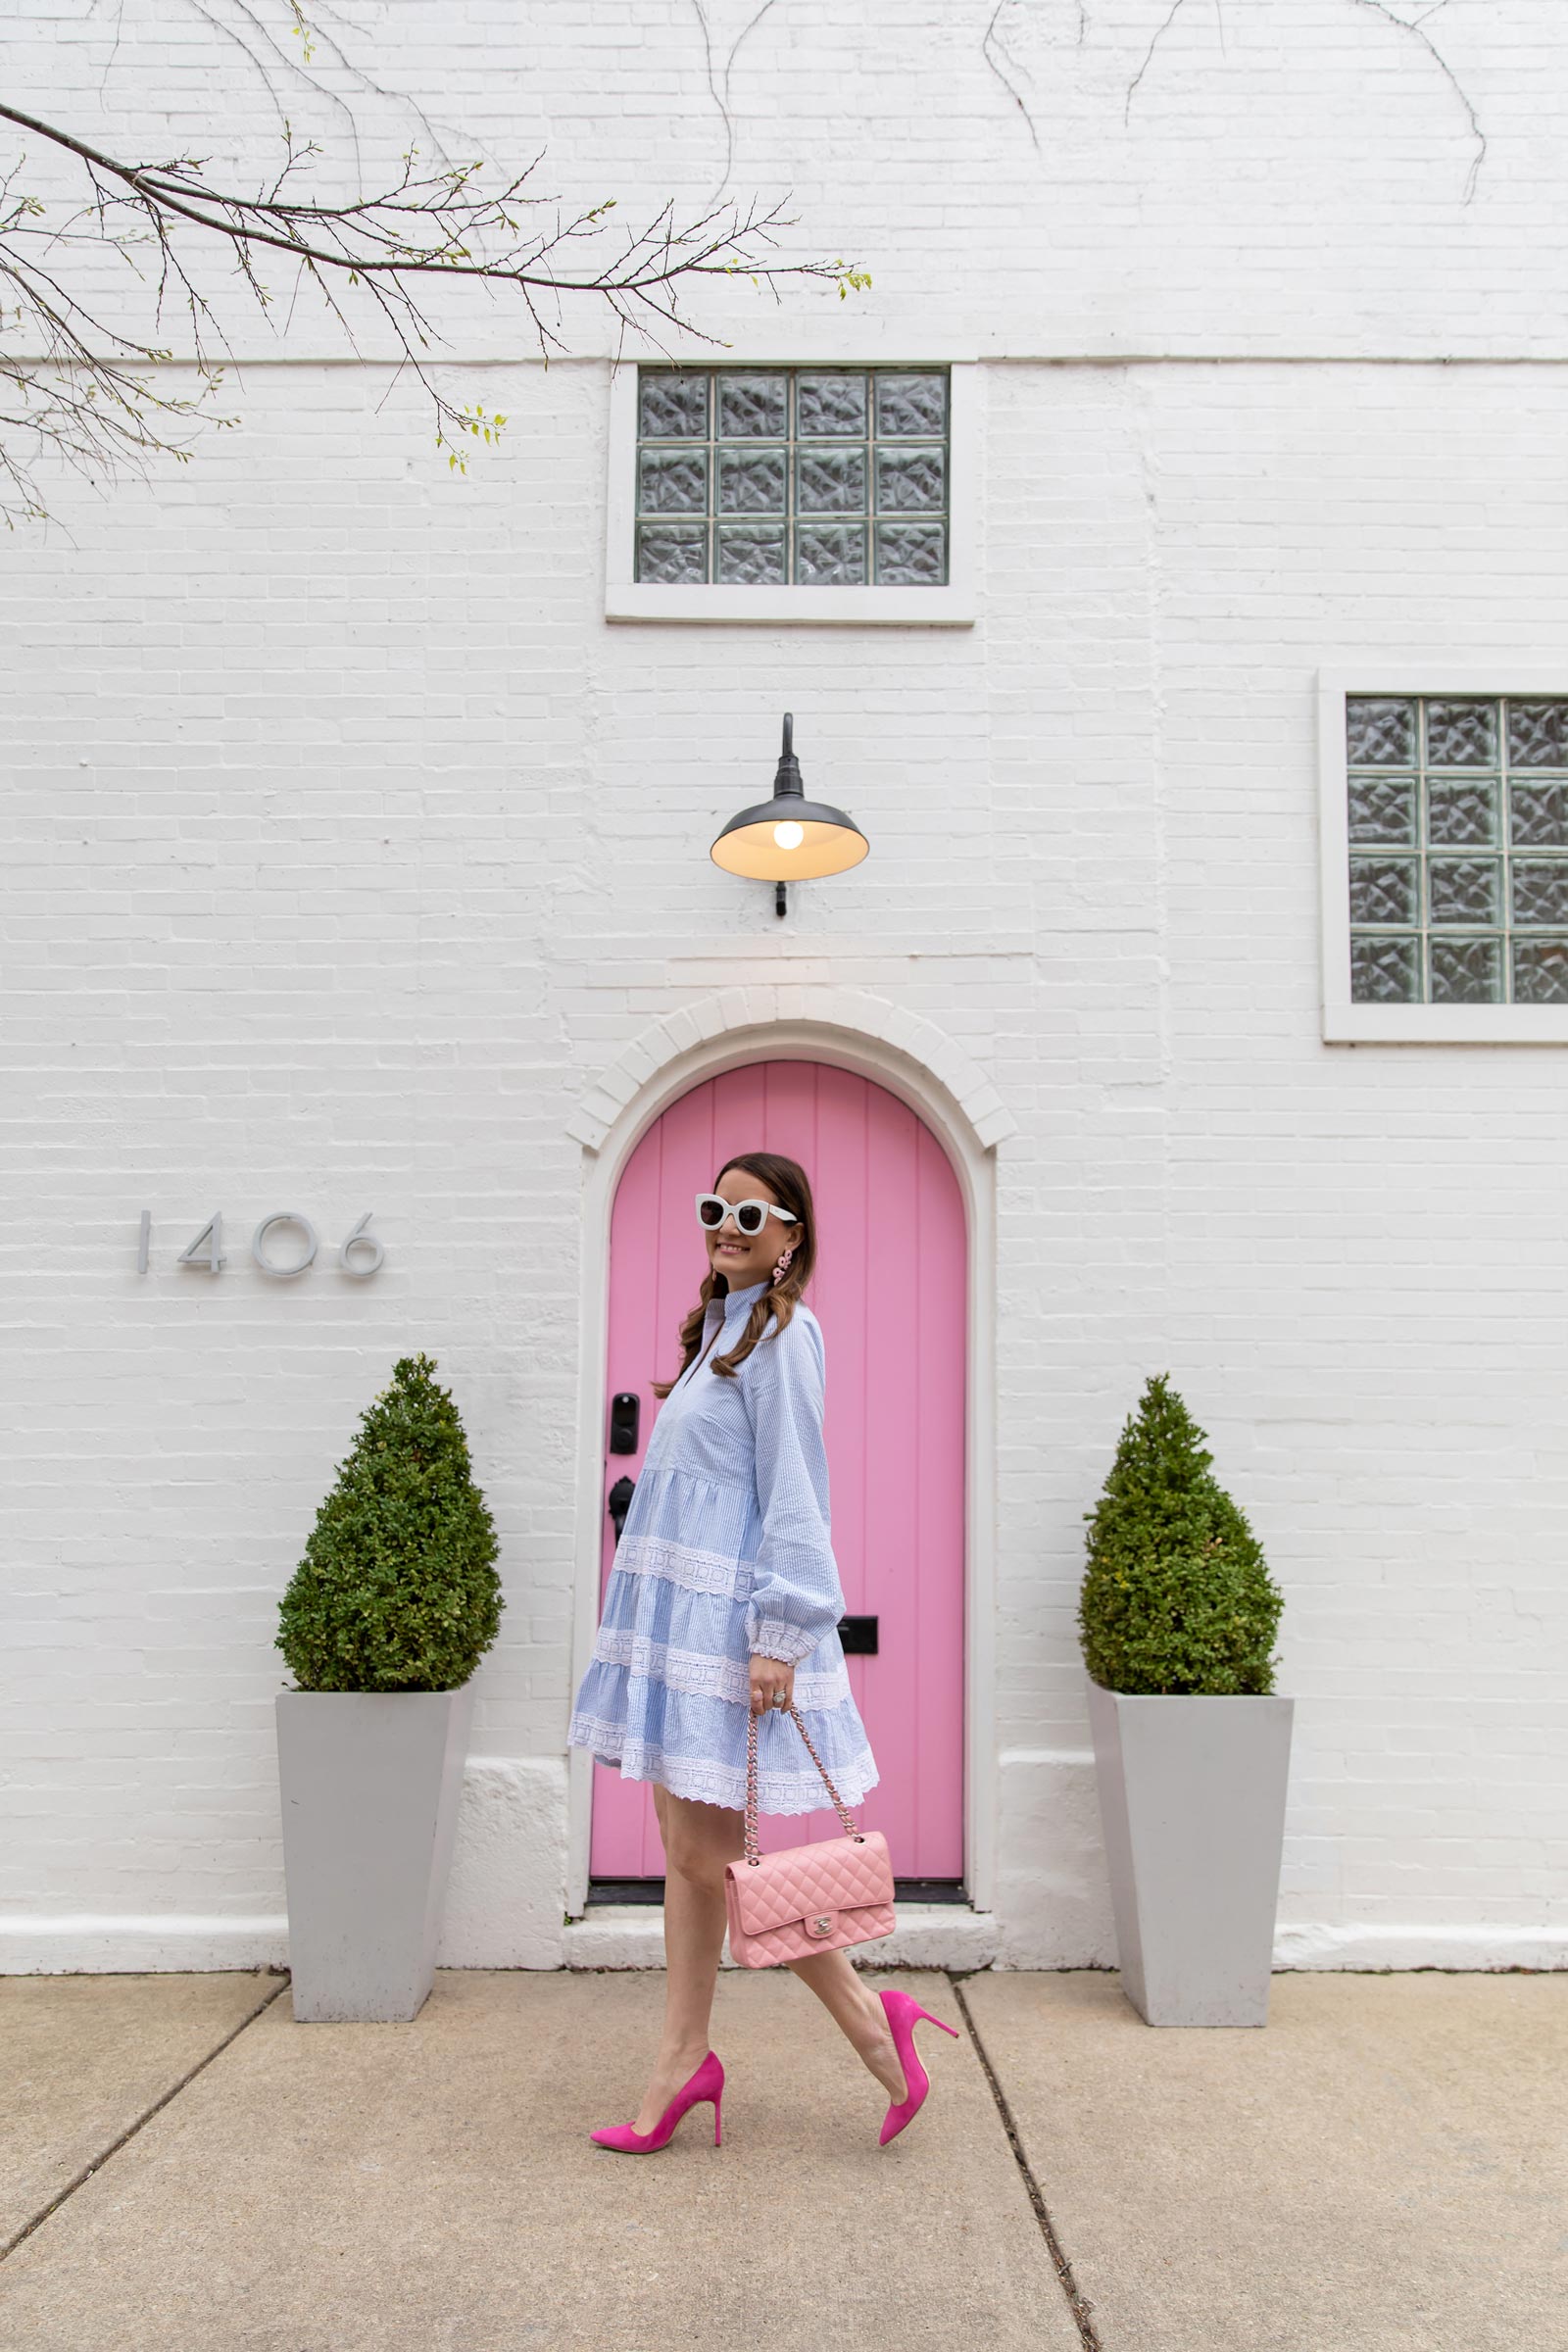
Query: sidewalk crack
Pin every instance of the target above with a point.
(10, 2244)
(1077, 2302)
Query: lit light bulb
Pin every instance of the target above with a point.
(789, 836)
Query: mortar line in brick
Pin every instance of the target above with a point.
(172, 2092)
(1077, 2304)
(1445, 359)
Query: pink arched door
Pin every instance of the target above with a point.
(890, 1292)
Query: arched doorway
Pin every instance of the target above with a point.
(891, 1293)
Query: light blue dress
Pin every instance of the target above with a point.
(724, 1552)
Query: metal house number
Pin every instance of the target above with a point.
(359, 1253)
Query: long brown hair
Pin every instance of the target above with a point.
(791, 1186)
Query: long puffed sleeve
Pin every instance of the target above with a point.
(795, 1596)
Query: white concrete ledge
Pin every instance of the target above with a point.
(630, 1935)
(869, 608)
(927, 1936)
(1483, 1945)
(89, 1943)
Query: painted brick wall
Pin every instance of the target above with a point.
(346, 845)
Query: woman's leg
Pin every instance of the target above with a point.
(856, 2009)
(698, 1839)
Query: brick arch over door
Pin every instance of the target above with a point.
(891, 1293)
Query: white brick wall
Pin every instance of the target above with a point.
(348, 849)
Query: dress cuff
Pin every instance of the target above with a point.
(773, 1639)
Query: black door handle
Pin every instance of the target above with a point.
(620, 1500)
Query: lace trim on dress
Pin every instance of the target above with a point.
(775, 1638)
(704, 1677)
(683, 1565)
(713, 1784)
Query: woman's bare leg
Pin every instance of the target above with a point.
(856, 2009)
(698, 1839)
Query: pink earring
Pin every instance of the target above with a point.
(782, 1268)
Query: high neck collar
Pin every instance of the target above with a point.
(747, 1297)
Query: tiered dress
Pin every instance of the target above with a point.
(725, 1552)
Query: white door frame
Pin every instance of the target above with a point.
(945, 1113)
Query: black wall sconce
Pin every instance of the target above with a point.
(789, 838)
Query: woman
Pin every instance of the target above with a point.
(724, 1600)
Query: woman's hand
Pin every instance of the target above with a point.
(768, 1675)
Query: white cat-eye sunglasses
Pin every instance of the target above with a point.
(750, 1215)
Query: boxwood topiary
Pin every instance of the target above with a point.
(398, 1588)
(1177, 1596)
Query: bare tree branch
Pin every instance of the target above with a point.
(1414, 26)
(993, 47)
(1161, 30)
(83, 394)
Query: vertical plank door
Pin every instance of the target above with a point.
(890, 1292)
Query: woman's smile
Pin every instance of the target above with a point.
(745, 1258)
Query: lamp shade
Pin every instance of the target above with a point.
(789, 838)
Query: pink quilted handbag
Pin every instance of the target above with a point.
(806, 1898)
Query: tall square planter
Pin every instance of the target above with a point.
(371, 1781)
(1192, 1801)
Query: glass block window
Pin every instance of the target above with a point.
(1458, 849)
(811, 478)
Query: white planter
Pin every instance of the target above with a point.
(369, 1782)
(1192, 1801)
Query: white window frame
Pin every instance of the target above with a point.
(1348, 1023)
(953, 607)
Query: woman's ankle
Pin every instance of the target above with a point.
(680, 2057)
(876, 2017)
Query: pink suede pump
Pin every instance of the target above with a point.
(707, 2082)
(904, 2012)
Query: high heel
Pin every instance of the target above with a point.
(904, 2013)
(707, 2082)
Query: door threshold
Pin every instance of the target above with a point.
(947, 1934)
(652, 1891)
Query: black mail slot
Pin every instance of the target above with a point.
(858, 1636)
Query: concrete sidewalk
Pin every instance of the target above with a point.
(1379, 2169)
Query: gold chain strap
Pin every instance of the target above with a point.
(753, 1851)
